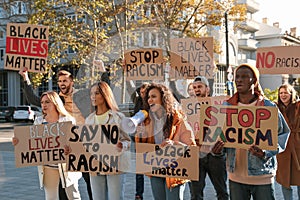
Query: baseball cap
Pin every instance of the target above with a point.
(202, 79)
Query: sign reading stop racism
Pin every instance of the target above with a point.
(278, 60)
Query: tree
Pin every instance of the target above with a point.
(79, 27)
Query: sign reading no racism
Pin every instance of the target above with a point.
(93, 149)
(144, 64)
(278, 60)
(239, 126)
(41, 144)
(173, 161)
(191, 57)
(26, 46)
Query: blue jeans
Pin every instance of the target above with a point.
(139, 185)
(240, 191)
(160, 190)
(215, 167)
(288, 192)
(107, 187)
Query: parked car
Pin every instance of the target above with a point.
(7, 112)
(28, 113)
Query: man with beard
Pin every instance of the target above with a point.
(201, 86)
(67, 93)
(209, 163)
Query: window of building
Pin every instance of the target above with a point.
(18, 8)
(2, 34)
(2, 50)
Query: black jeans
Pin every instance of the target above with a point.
(139, 186)
(215, 167)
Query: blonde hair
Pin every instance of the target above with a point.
(56, 100)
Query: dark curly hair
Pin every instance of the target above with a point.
(168, 103)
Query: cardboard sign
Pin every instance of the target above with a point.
(278, 60)
(41, 144)
(173, 161)
(26, 46)
(240, 126)
(93, 149)
(144, 64)
(192, 106)
(191, 57)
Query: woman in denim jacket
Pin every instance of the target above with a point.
(251, 172)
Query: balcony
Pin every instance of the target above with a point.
(252, 5)
(250, 25)
(248, 44)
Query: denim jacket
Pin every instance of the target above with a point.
(261, 166)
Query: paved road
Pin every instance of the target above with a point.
(22, 183)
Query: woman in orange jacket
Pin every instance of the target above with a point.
(165, 125)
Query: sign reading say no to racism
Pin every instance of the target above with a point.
(26, 46)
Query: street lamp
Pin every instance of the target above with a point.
(229, 83)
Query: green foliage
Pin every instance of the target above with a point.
(271, 94)
(82, 26)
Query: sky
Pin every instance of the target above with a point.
(286, 12)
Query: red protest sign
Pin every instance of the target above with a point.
(26, 46)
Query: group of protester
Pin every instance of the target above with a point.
(250, 172)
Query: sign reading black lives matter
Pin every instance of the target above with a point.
(191, 57)
(93, 149)
(41, 144)
(26, 46)
(144, 64)
(239, 126)
(173, 161)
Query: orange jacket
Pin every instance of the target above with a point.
(181, 132)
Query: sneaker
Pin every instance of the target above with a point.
(137, 197)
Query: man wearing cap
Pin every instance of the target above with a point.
(209, 163)
(201, 86)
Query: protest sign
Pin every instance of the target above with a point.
(93, 149)
(41, 144)
(239, 126)
(192, 106)
(173, 161)
(144, 64)
(26, 46)
(278, 60)
(191, 57)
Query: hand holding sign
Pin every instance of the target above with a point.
(256, 151)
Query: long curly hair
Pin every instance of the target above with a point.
(168, 103)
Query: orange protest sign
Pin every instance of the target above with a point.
(144, 64)
(239, 126)
(41, 144)
(191, 57)
(173, 161)
(278, 60)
